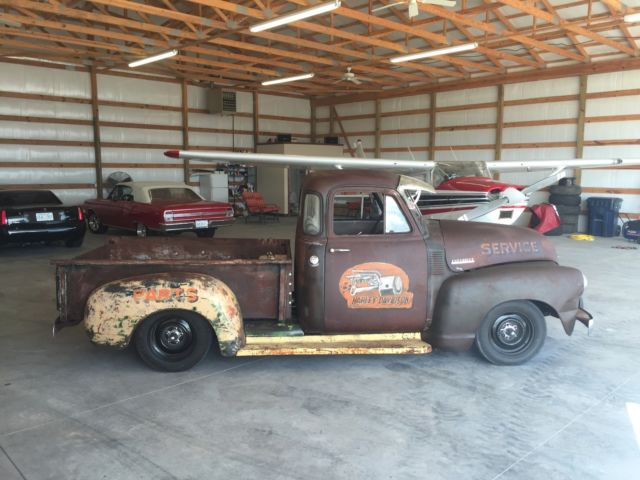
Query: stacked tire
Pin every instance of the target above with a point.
(566, 198)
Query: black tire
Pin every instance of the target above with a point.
(95, 224)
(565, 210)
(569, 200)
(74, 242)
(555, 232)
(568, 228)
(173, 340)
(206, 233)
(512, 333)
(141, 230)
(565, 189)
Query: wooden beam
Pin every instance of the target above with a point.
(342, 130)
(95, 115)
(313, 122)
(582, 108)
(432, 125)
(499, 122)
(256, 121)
(186, 173)
(377, 128)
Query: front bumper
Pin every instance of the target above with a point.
(191, 225)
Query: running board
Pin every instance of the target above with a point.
(359, 344)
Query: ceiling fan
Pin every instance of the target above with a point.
(412, 5)
(349, 76)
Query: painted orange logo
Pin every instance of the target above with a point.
(165, 294)
(376, 285)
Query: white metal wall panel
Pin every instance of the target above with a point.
(541, 111)
(404, 103)
(44, 81)
(467, 97)
(606, 82)
(46, 131)
(466, 137)
(138, 115)
(466, 117)
(540, 133)
(405, 121)
(39, 108)
(360, 108)
(136, 90)
(542, 88)
(44, 153)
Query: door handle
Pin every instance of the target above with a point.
(339, 250)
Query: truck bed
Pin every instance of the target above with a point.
(258, 271)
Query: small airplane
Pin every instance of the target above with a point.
(464, 190)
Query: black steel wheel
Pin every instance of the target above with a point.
(565, 190)
(512, 333)
(95, 224)
(206, 232)
(173, 340)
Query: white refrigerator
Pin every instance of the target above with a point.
(215, 186)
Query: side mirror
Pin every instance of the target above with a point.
(127, 198)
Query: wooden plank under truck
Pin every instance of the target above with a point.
(372, 276)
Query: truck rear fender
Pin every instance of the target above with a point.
(114, 310)
(465, 299)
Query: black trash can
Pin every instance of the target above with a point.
(603, 215)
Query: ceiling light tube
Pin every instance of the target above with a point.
(288, 79)
(295, 16)
(154, 58)
(432, 53)
(632, 17)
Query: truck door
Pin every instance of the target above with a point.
(376, 264)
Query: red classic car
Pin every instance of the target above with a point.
(155, 206)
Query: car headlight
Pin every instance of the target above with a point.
(168, 216)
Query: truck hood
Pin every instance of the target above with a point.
(472, 245)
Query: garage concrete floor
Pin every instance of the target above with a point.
(70, 410)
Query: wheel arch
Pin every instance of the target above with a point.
(115, 309)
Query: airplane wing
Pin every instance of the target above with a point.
(528, 165)
(306, 161)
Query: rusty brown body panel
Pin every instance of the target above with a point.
(253, 269)
(473, 245)
(464, 300)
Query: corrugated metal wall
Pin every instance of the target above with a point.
(539, 122)
(46, 131)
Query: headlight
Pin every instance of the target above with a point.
(584, 280)
(168, 216)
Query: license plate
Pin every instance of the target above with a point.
(44, 216)
(202, 223)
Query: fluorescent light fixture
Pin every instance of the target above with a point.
(295, 16)
(289, 79)
(632, 17)
(432, 53)
(155, 58)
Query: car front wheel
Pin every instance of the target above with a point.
(512, 333)
(173, 340)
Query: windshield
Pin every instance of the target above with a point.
(28, 197)
(444, 171)
(410, 189)
(173, 194)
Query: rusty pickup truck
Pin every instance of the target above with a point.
(372, 276)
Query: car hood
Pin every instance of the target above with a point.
(471, 245)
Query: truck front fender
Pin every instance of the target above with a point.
(465, 299)
(115, 309)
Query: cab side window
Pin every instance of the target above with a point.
(367, 213)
